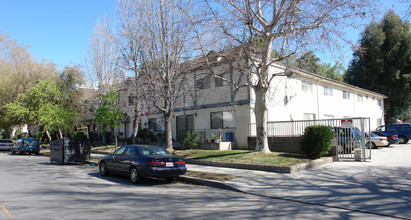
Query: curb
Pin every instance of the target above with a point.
(206, 182)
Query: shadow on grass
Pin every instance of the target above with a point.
(219, 155)
(298, 156)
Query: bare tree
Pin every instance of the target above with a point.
(129, 40)
(156, 40)
(102, 59)
(271, 31)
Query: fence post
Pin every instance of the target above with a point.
(363, 138)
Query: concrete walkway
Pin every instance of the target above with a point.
(381, 186)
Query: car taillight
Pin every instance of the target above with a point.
(179, 162)
(156, 163)
(393, 137)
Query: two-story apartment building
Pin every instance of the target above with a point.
(215, 106)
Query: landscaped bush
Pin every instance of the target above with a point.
(78, 134)
(191, 139)
(316, 141)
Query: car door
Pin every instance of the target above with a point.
(125, 160)
(114, 163)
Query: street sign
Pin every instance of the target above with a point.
(346, 123)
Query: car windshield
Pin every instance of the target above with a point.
(152, 150)
(374, 134)
(31, 142)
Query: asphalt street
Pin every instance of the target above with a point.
(32, 188)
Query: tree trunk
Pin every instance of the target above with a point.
(261, 120)
(169, 137)
(135, 126)
(48, 136)
(115, 139)
(60, 134)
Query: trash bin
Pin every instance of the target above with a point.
(70, 150)
(229, 136)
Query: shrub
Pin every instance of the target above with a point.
(316, 141)
(191, 139)
(78, 134)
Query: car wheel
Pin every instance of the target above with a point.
(12, 151)
(373, 146)
(103, 169)
(19, 151)
(402, 139)
(37, 153)
(134, 175)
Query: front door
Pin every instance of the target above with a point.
(183, 125)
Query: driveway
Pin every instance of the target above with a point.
(381, 186)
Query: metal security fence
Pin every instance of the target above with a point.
(351, 134)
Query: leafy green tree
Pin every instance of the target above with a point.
(109, 113)
(70, 82)
(311, 63)
(55, 117)
(308, 61)
(333, 72)
(40, 107)
(19, 70)
(383, 64)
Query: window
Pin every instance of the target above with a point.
(223, 119)
(120, 151)
(129, 152)
(203, 83)
(307, 86)
(359, 98)
(379, 102)
(379, 121)
(404, 128)
(392, 128)
(328, 91)
(152, 124)
(329, 116)
(130, 100)
(346, 94)
(220, 82)
(309, 116)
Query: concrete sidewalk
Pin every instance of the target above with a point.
(381, 186)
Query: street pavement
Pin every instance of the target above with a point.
(381, 186)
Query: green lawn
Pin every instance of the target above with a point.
(234, 156)
(244, 156)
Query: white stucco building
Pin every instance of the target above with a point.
(214, 105)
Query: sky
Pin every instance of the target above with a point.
(59, 30)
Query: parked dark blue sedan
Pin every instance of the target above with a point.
(139, 161)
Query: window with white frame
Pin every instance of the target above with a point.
(222, 119)
(346, 94)
(359, 98)
(328, 116)
(307, 86)
(328, 91)
(379, 102)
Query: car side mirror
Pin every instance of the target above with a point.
(110, 154)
